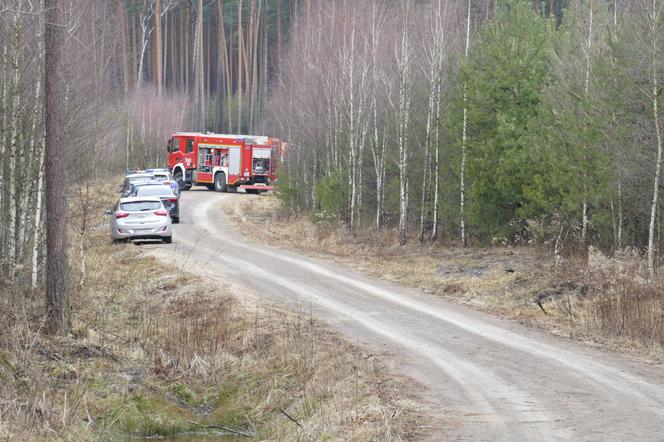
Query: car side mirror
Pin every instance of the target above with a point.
(109, 212)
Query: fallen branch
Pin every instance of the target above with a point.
(292, 419)
(220, 427)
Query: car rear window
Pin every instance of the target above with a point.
(154, 191)
(161, 177)
(140, 206)
(140, 179)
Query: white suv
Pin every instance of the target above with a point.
(140, 218)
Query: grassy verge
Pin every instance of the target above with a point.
(599, 300)
(157, 353)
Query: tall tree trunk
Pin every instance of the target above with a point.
(36, 150)
(250, 58)
(403, 64)
(377, 145)
(279, 37)
(438, 32)
(145, 17)
(199, 70)
(654, 21)
(57, 281)
(13, 150)
(122, 14)
(3, 147)
(239, 66)
(173, 53)
(586, 91)
(38, 224)
(224, 67)
(182, 42)
(254, 67)
(464, 137)
(158, 47)
(132, 50)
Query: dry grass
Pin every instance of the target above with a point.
(155, 353)
(599, 300)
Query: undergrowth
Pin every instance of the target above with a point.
(155, 352)
(592, 297)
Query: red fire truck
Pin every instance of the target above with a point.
(224, 162)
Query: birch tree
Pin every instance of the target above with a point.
(403, 52)
(464, 137)
(14, 147)
(655, 29)
(378, 141)
(435, 54)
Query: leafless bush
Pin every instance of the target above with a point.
(150, 120)
(623, 301)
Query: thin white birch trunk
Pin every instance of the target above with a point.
(586, 90)
(655, 16)
(3, 148)
(464, 136)
(352, 176)
(377, 148)
(403, 63)
(14, 146)
(35, 134)
(38, 226)
(435, 56)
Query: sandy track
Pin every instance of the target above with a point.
(488, 379)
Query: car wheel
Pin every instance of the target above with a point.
(176, 220)
(168, 239)
(220, 182)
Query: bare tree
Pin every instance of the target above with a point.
(654, 25)
(403, 53)
(586, 91)
(464, 137)
(435, 56)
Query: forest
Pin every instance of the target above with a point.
(468, 122)
(478, 122)
(424, 138)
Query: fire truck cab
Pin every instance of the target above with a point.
(223, 162)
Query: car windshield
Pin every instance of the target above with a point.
(154, 191)
(140, 206)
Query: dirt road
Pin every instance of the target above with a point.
(486, 378)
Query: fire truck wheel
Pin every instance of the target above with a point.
(220, 182)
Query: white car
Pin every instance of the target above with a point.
(164, 176)
(140, 218)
